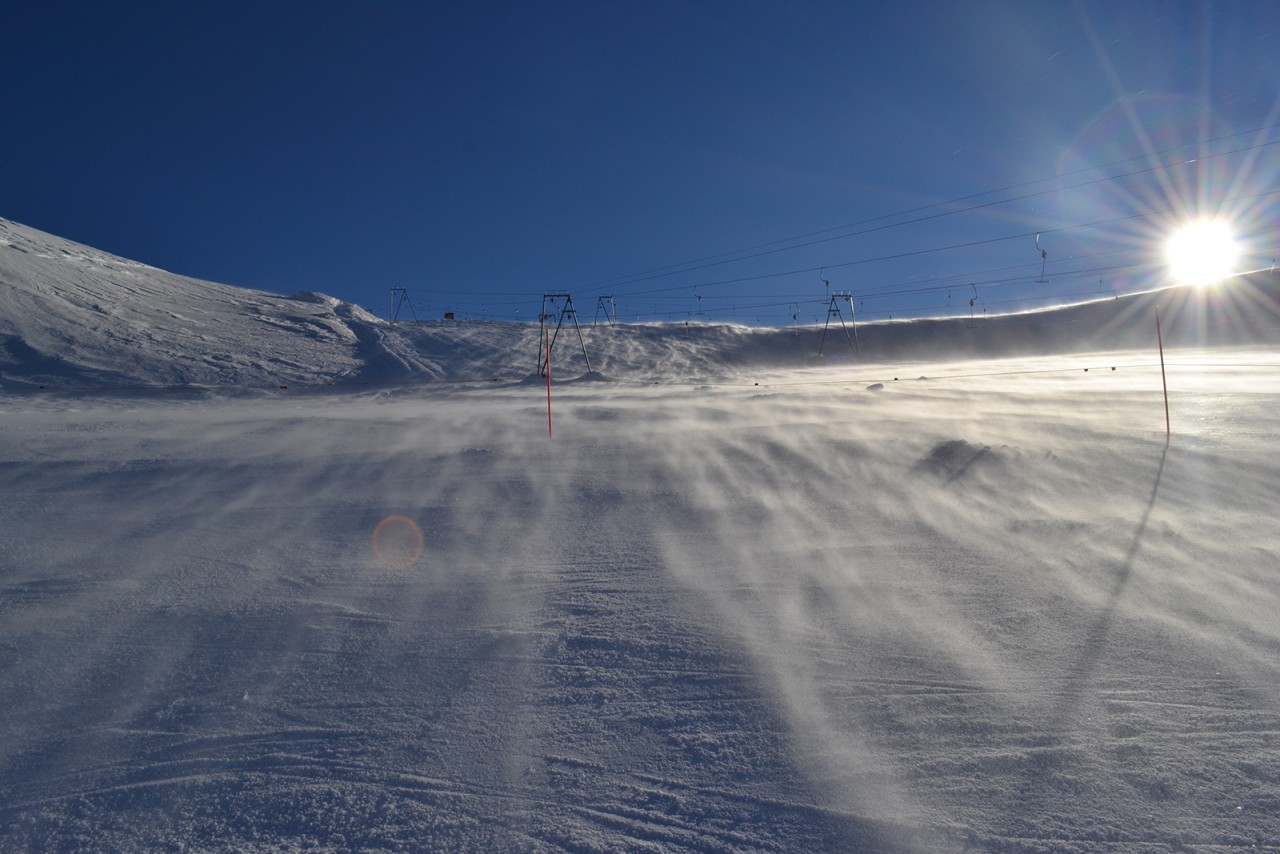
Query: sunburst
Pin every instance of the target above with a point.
(1202, 252)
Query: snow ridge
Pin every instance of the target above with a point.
(72, 316)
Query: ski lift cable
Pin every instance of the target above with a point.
(955, 279)
(676, 268)
(944, 284)
(692, 267)
(1071, 275)
(944, 248)
(685, 266)
(901, 291)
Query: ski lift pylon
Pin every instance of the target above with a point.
(833, 310)
(610, 309)
(567, 310)
(399, 299)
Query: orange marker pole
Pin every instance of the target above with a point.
(548, 386)
(1168, 431)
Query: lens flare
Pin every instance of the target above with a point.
(1202, 253)
(398, 542)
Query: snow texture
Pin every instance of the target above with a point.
(956, 594)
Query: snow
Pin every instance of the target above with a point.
(740, 602)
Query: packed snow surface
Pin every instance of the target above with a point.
(736, 602)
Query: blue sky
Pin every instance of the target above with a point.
(482, 154)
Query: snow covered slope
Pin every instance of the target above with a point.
(74, 316)
(743, 601)
(71, 316)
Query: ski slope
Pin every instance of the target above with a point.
(742, 601)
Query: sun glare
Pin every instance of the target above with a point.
(1202, 253)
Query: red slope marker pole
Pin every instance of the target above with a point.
(1168, 431)
(548, 386)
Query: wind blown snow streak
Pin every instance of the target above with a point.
(988, 612)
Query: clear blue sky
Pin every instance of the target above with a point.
(481, 154)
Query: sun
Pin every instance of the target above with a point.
(1202, 252)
